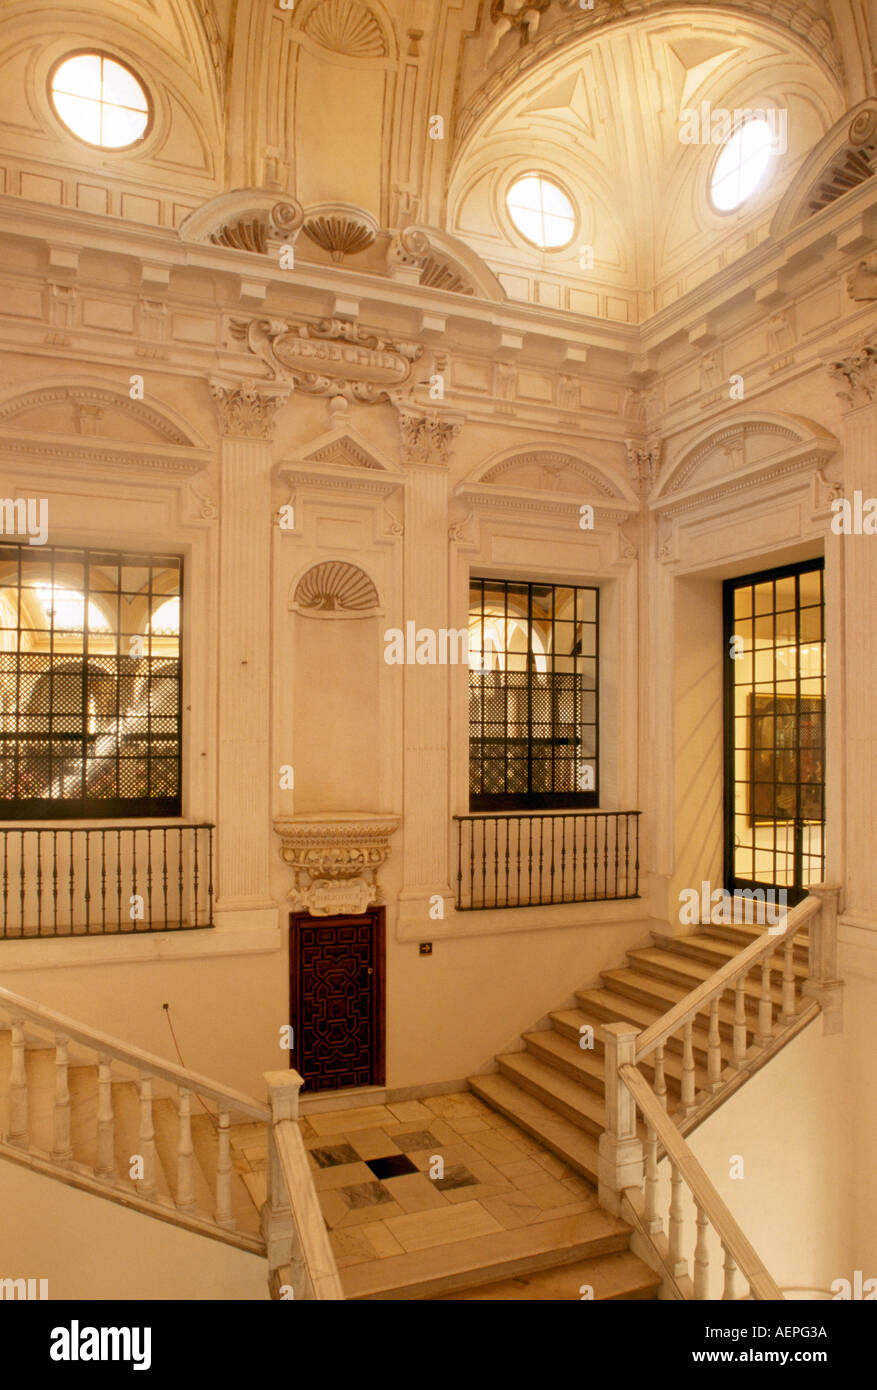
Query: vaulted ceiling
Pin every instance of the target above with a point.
(335, 101)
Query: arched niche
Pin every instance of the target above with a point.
(338, 645)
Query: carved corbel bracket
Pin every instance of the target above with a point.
(336, 859)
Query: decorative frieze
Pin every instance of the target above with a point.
(856, 377)
(246, 410)
(336, 858)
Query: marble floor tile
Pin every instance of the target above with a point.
(406, 1110)
(495, 1147)
(350, 1247)
(344, 1175)
(423, 1229)
(414, 1192)
(460, 1103)
(466, 1124)
(553, 1165)
(364, 1194)
(382, 1242)
(372, 1143)
(417, 1139)
(549, 1194)
(449, 1154)
(346, 1121)
(578, 1187)
(513, 1209)
(524, 1172)
(457, 1175)
(330, 1155)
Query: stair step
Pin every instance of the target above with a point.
(672, 1062)
(610, 1007)
(569, 1098)
(621, 1275)
(742, 934)
(680, 969)
(576, 1146)
(662, 995)
(716, 953)
(555, 1049)
(498, 1255)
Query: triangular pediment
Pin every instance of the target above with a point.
(343, 447)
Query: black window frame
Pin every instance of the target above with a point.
(531, 800)
(733, 881)
(113, 668)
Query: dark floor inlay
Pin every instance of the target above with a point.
(416, 1139)
(457, 1176)
(332, 1154)
(393, 1166)
(365, 1194)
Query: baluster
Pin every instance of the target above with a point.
(72, 881)
(529, 860)
(18, 1134)
(6, 834)
(134, 873)
(22, 881)
(605, 856)
(210, 874)
(596, 820)
(87, 839)
(223, 1174)
(180, 872)
(39, 883)
(105, 1167)
(739, 1024)
(563, 859)
(541, 856)
(689, 1087)
(615, 825)
(678, 1262)
(575, 832)
(508, 831)
(146, 1184)
(660, 1084)
(62, 1151)
(765, 1007)
(701, 1256)
(103, 881)
(636, 865)
(518, 822)
(714, 1054)
(164, 872)
(482, 825)
(496, 861)
(627, 856)
(119, 877)
(729, 1292)
(653, 1220)
(552, 829)
(788, 1012)
(185, 1169)
(149, 875)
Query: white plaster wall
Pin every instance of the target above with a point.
(109, 1252)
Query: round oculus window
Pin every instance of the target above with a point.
(542, 212)
(99, 100)
(741, 165)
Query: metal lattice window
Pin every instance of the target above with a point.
(90, 672)
(775, 729)
(533, 692)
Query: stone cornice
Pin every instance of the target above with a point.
(487, 497)
(807, 456)
(334, 478)
(56, 449)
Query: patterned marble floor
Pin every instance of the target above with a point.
(384, 1192)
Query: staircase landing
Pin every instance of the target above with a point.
(506, 1210)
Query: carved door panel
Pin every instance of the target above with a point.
(337, 999)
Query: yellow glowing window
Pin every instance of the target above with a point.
(100, 100)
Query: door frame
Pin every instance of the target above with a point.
(378, 993)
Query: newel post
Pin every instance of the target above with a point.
(621, 1153)
(823, 984)
(277, 1223)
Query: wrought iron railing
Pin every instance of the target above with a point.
(104, 880)
(533, 860)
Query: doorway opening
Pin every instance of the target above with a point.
(337, 991)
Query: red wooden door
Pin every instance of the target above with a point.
(337, 999)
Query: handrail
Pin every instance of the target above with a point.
(664, 1027)
(761, 1285)
(315, 1251)
(19, 1007)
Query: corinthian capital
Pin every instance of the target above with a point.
(855, 377)
(246, 410)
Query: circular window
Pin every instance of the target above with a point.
(99, 100)
(741, 164)
(541, 212)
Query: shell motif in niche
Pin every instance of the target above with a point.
(334, 587)
(348, 27)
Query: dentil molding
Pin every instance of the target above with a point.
(336, 858)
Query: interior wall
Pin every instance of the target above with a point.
(697, 737)
(109, 1252)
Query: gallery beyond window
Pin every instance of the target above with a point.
(775, 730)
(533, 691)
(90, 671)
